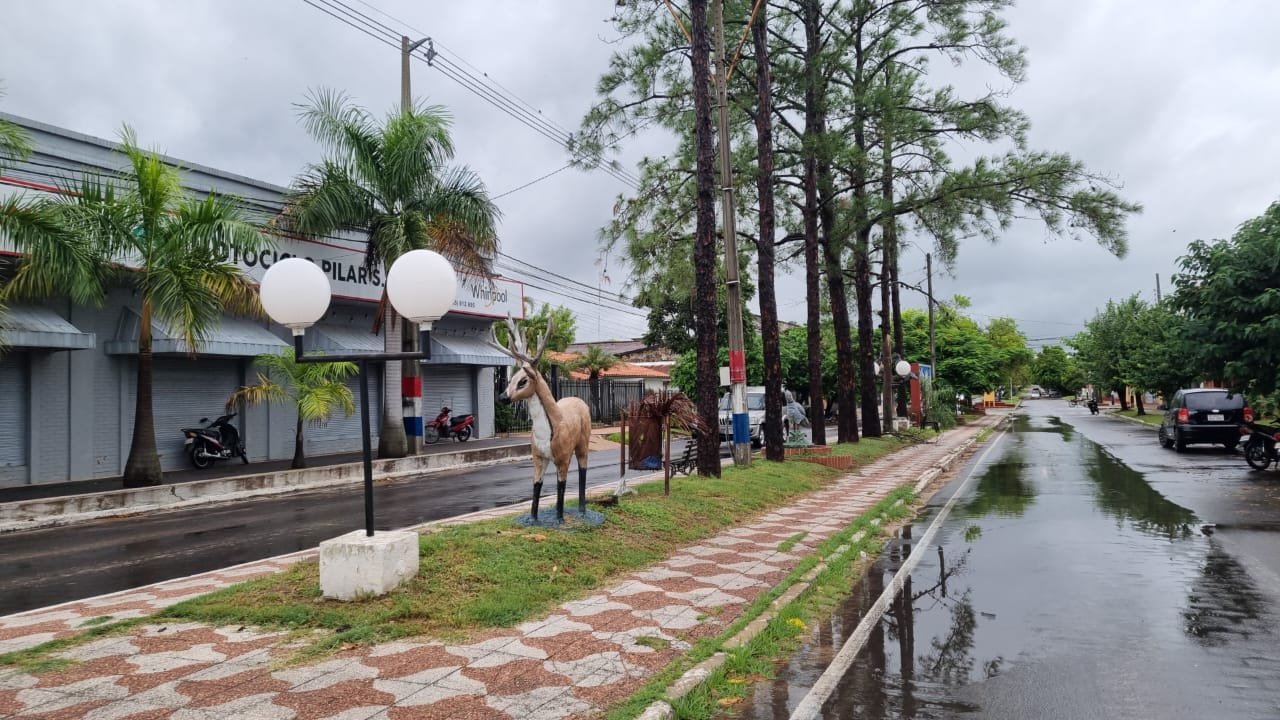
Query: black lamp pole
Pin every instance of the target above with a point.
(363, 360)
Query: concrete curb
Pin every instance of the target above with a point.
(1112, 414)
(52, 512)
(693, 677)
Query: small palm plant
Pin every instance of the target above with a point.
(317, 389)
(595, 361)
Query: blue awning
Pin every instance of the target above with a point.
(342, 339)
(23, 326)
(233, 337)
(464, 350)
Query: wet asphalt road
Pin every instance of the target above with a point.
(54, 565)
(1072, 580)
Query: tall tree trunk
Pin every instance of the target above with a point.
(392, 442)
(765, 254)
(1137, 402)
(846, 389)
(812, 278)
(143, 466)
(899, 339)
(704, 244)
(299, 446)
(862, 252)
(867, 350)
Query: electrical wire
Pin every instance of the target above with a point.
(533, 119)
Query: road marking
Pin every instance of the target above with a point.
(810, 706)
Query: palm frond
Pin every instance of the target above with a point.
(265, 391)
(326, 199)
(211, 226)
(56, 259)
(14, 143)
(416, 145)
(182, 298)
(157, 185)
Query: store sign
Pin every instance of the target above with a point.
(350, 279)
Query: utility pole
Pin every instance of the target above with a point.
(737, 354)
(933, 352)
(1157, 288)
(411, 370)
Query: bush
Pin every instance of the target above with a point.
(504, 417)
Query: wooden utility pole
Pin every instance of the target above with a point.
(933, 352)
(410, 370)
(737, 352)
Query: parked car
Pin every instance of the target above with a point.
(755, 416)
(1203, 415)
(1034, 395)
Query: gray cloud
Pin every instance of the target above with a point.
(1170, 98)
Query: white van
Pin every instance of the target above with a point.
(755, 416)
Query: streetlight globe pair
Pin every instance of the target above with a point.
(903, 368)
(421, 286)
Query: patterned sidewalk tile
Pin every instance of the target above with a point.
(585, 656)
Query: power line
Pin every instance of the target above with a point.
(538, 179)
(530, 118)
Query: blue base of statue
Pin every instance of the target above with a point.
(572, 516)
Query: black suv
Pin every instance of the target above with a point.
(1203, 415)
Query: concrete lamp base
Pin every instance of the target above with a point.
(355, 565)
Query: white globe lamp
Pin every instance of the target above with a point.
(875, 366)
(421, 286)
(295, 293)
(903, 368)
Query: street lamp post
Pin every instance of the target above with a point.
(421, 286)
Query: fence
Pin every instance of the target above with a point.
(614, 397)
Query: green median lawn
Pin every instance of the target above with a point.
(497, 574)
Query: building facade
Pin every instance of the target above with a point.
(68, 372)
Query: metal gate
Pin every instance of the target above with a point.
(14, 419)
(183, 391)
(451, 385)
(342, 432)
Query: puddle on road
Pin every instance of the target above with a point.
(1061, 567)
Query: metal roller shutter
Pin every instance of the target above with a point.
(342, 432)
(451, 385)
(14, 418)
(184, 391)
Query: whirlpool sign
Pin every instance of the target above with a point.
(350, 279)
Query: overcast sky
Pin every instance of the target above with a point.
(1175, 99)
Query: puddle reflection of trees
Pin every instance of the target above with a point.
(920, 686)
(1002, 489)
(1123, 493)
(1223, 603)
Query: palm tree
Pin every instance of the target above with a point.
(392, 181)
(595, 361)
(177, 245)
(317, 389)
(22, 220)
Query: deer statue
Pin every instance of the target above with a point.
(561, 429)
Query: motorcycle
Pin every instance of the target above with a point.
(459, 428)
(1260, 447)
(217, 440)
(1093, 407)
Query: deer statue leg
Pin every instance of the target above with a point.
(582, 481)
(563, 476)
(537, 484)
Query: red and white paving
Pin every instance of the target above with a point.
(586, 656)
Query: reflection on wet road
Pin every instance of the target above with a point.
(1064, 585)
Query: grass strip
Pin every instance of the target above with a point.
(41, 658)
(497, 574)
(1153, 419)
(755, 660)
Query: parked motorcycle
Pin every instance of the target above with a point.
(217, 440)
(458, 428)
(1260, 447)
